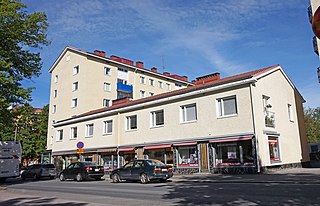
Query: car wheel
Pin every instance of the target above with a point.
(51, 177)
(144, 178)
(163, 180)
(115, 178)
(23, 177)
(97, 178)
(79, 177)
(61, 177)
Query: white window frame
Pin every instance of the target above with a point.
(55, 93)
(184, 114)
(128, 123)
(73, 134)
(168, 86)
(54, 109)
(160, 84)
(142, 80)
(151, 94)
(56, 77)
(107, 87)
(76, 70)
(106, 127)
(59, 135)
(142, 94)
(153, 118)
(106, 103)
(75, 86)
(107, 71)
(74, 102)
(290, 113)
(151, 82)
(88, 130)
(220, 106)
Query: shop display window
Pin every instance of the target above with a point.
(234, 153)
(187, 156)
(109, 162)
(164, 155)
(274, 149)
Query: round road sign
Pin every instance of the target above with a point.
(80, 145)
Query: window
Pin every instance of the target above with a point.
(89, 130)
(107, 87)
(59, 135)
(177, 86)
(75, 86)
(74, 103)
(274, 149)
(160, 84)
(290, 112)
(227, 106)
(106, 103)
(107, 127)
(157, 118)
(142, 93)
(122, 70)
(187, 156)
(266, 103)
(151, 93)
(151, 82)
(123, 81)
(131, 122)
(168, 87)
(76, 70)
(56, 78)
(189, 113)
(142, 80)
(55, 93)
(107, 71)
(54, 109)
(74, 133)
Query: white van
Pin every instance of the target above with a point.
(10, 158)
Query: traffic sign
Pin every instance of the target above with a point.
(80, 151)
(80, 145)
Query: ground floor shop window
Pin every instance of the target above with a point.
(187, 156)
(164, 155)
(109, 162)
(87, 158)
(234, 153)
(274, 149)
(126, 157)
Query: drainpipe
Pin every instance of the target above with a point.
(254, 130)
(118, 137)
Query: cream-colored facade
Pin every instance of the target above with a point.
(83, 81)
(253, 120)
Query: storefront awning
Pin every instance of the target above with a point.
(230, 139)
(185, 143)
(107, 150)
(125, 149)
(58, 153)
(159, 146)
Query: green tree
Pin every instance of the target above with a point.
(21, 36)
(312, 122)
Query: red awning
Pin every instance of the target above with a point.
(125, 149)
(158, 146)
(185, 143)
(230, 139)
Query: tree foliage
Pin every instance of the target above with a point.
(21, 36)
(312, 122)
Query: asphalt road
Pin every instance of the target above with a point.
(274, 189)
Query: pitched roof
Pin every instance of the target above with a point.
(222, 81)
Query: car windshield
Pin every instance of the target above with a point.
(89, 164)
(155, 163)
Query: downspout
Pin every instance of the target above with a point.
(254, 130)
(118, 138)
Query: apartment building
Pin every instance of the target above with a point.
(82, 81)
(243, 123)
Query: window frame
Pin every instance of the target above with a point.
(129, 123)
(183, 113)
(220, 107)
(168, 86)
(160, 84)
(74, 103)
(107, 71)
(142, 80)
(106, 127)
(153, 118)
(55, 93)
(142, 94)
(104, 101)
(73, 132)
(290, 113)
(54, 109)
(276, 140)
(76, 70)
(106, 87)
(88, 130)
(151, 82)
(75, 86)
(59, 135)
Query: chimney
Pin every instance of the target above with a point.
(208, 78)
(154, 69)
(166, 74)
(139, 64)
(124, 100)
(100, 53)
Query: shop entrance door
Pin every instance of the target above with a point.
(204, 161)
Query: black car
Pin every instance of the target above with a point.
(144, 170)
(38, 171)
(82, 171)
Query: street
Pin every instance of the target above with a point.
(199, 189)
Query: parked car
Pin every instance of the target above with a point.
(38, 171)
(143, 170)
(82, 171)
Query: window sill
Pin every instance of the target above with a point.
(157, 126)
(73, 139)
(59, 140)
(131, 130)
(89, 136)
(192, 121)
(227, 116)
(106, 134)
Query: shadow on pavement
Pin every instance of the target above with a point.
(31, 201)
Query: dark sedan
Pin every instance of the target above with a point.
(38, 171)
(143, 170)
(82, 171)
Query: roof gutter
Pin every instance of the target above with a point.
(158, 101)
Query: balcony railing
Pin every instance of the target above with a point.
(124, 87)
(269, 119)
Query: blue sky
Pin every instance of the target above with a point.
(186, 37)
